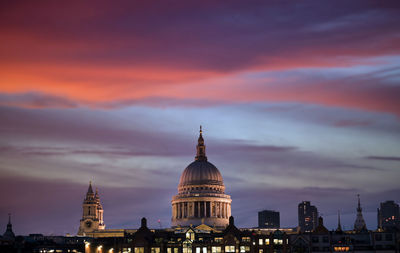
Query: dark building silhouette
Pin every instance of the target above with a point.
(388, 215)
(359, 224)
(268, 219)
(308, 216)
(9, 234)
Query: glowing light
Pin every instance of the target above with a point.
(342, 248)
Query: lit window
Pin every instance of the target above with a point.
(229, 248)
(260, 251)
(341, 248)
(139, 249)
(175, 250)
(198, 250)
(266, 241)
(278, 241)
(126, 250)
(218, 239)
(204, 249)
(244, 249)
(260, 241)
(245, 239)
(187, 248)
(190, 235)
(169, 250)
(216, 249)
(155, 250)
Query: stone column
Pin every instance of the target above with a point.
(199, 209)
(225, 210)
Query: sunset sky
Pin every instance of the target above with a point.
(299, 100)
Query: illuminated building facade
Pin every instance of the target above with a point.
(308, 215)
(201, 197)
(92, 217)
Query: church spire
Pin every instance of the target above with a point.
(90, 189)
(9, 234)
(201, 148)
(339, 226)
(359, 224)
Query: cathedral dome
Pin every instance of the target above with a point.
(201, 172)
(201, 197)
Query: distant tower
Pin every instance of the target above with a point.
(92, 218)
(389, 215)
(339, 226)
(359, 224)
(308, 216)
(9, 234)
(268, 219)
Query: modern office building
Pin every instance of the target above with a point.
(389, 215)
(268, 219)
(308, 216)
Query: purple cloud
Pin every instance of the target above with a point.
(384, 158)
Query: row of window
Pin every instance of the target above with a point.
(267, 242)
(188, 249)
(201, 188)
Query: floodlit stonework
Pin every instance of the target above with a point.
(201, 197)
(92, 217)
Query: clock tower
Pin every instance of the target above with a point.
(92, 217)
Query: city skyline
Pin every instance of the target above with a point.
(298, 102)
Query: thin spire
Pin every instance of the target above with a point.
(201, 148)
(339, 226)
(9, 234)
(90, 189)
(96, 195)
(359, 224)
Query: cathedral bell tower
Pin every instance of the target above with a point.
(92, 217)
